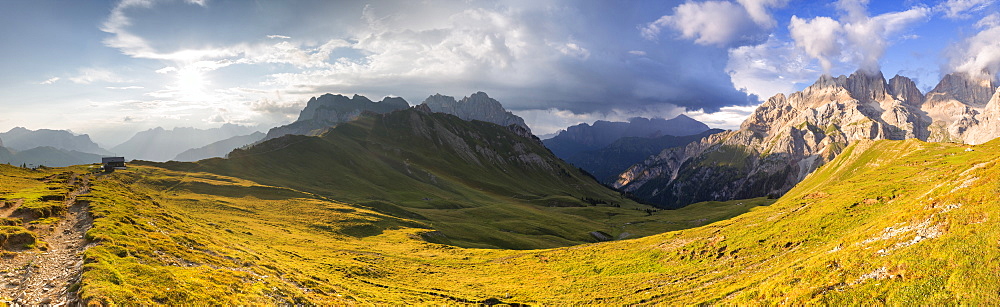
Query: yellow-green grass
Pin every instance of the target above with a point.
(887, 222)
(478, 184)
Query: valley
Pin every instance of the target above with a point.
(885, 221)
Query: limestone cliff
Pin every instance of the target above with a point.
(329, 110)
(788, 137)
(478, 106)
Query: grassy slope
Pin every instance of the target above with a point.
(903, 222)
(477, 183)
(173, 237)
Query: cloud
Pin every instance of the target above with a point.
(961, 9)
(91, 75)
(710, 23)
(529, 56)
(166, 70)
(50, 80)
(758, 11)
(979, 55)
(124, 87)
(818, 37)
(719, 23)
(856, 38)
(769, 68)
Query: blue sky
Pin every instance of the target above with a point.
(111, 68)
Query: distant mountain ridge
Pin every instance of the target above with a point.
(586, 137)
(20, 138)
(788, 137)
(160, 144)
(220, 148)
(609, 161)
(329, 110)
(47, 156)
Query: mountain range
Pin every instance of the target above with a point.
(20, 138)
(586, 137)
(788, 137)
(160, 144)
(220, 148)
(329, 110)
(476, 183)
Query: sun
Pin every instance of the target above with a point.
(191, 83)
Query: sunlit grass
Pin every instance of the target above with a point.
(888, 222)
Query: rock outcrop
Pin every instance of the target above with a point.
(788, 137)
(329, 110)
(478, 106)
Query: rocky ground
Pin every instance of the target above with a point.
(50, 276)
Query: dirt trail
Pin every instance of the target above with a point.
(34, 278)
(6, 212)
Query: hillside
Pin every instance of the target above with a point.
(477, 183)
(886, 222)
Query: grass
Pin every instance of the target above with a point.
(467, 180)
(887, 222)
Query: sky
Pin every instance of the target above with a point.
(112, 68)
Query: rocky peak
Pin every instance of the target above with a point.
(960, 86)
(905, 90)
(478, 106)
(867, 86)
(329, 110)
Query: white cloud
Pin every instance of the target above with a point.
(856, 38)
(50, 80)
(573, 50)
(769, 68)
(711, 23)
(91, 75)
(166, 70)
(727, 118)
(819, 38)
(124, 87)
(719, 23)
(961, 9)
(637, 52)
(979, 55)
(993, 20)
(278, 37)
(758, 11)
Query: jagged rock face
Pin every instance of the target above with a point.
(963, 88)
(329, 110)
(957, 104)
(787, 138)
(906, 90)
(784, 140)
(478, 106)
(988, 121)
